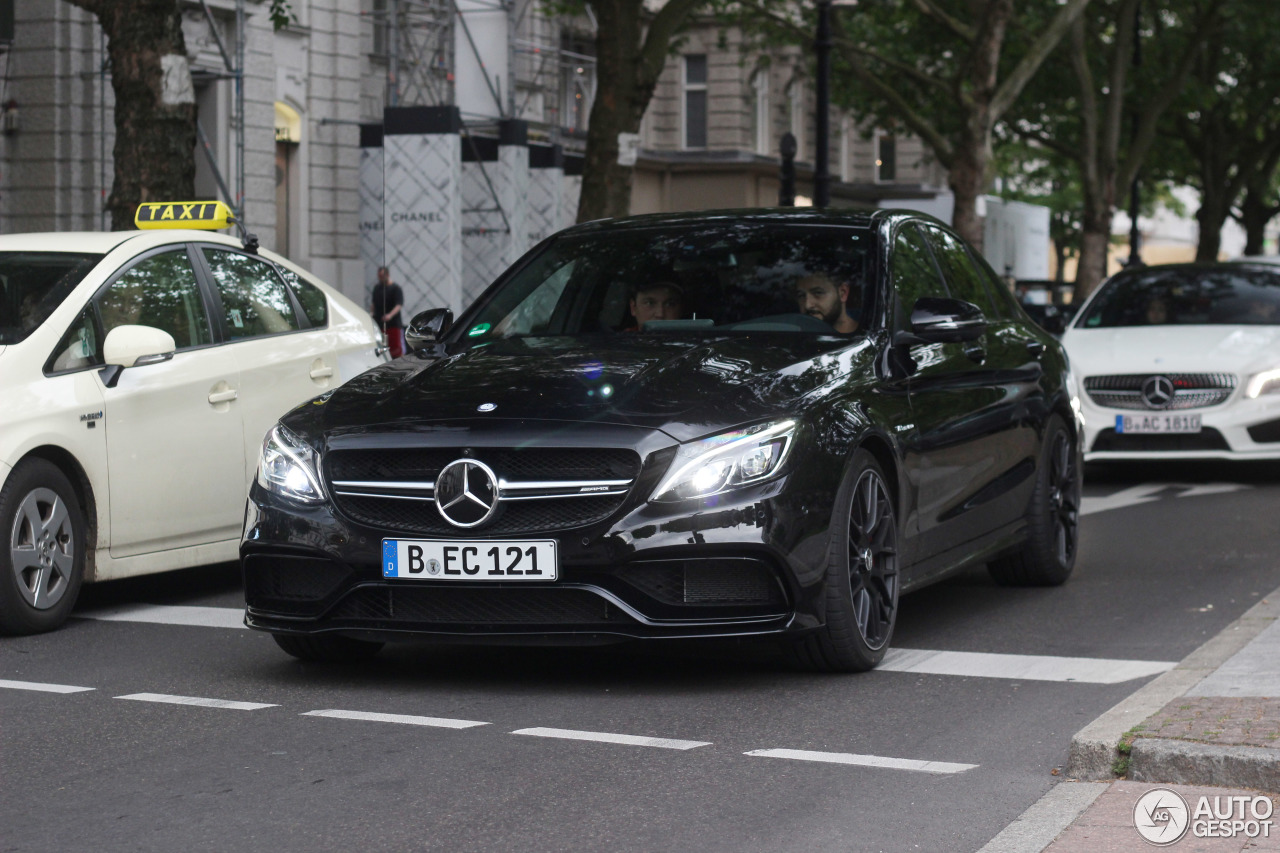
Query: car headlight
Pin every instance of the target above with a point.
(1266, 382)
(736, 458)
(288, 466)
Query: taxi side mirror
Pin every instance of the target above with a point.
(134, 346)
(427, 327)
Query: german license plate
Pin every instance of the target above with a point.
(1157, 423)
(454, 560)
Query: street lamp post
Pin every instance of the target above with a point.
(821, 168)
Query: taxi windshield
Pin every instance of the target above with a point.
(33, 285)
(713, 279)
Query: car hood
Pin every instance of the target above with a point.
(1238, 350)
(684, 387)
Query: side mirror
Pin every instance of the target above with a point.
(946, 321)
(427, 327)
(134, 346)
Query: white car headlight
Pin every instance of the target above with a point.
(726, 461)
(1266, 382)
(289, 466)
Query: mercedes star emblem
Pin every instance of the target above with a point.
(466, 493)
(1157, 392)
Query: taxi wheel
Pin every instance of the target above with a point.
(862, 576)
(1053, 517)
(43, 553)
(327, 648)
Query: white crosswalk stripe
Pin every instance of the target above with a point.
(41, 687)
(607, 737)
(1021, 667)
(160, 614)
(165, 698)
(863, 760)
(405, 719)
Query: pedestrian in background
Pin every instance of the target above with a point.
(388, 300)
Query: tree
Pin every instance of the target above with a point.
(1108, 128)
(936, 67)
(629, 59)
(155, 111)
(1260, 205)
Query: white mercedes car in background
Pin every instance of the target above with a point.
(1180, 362)
(139, 373)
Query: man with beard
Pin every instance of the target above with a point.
(820, 295)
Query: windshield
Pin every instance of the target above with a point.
(33, 285)
(1214, 296)
(693, 280)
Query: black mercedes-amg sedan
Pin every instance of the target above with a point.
(697, 425)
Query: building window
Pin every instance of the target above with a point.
(695, 101)
(381, 27)
(760, 85)
(886, 158)
(795, 112)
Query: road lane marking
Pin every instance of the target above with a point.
(863, 760)
(43, 688)
(1021, 667)
(606, 737)
(196, 700)
(167, 614)
(407, 719)
(1148, 492)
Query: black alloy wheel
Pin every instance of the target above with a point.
(43, 554)
(862, 576)
(1053, 517)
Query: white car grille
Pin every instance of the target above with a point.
(1190, 390)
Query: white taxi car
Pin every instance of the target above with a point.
(139, 372)
(1180, 362)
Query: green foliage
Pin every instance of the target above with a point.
(281, 14)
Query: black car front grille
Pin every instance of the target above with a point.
(1190, 390)
(1207, 439)
(728, 581)
(291, 584)
(477, 608)
(1267, 432)
(411, 508)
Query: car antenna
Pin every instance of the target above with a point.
(249, 241)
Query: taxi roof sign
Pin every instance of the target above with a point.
(205, 215)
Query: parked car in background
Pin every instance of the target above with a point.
(1181, 361)
(832, 409)
(139, 371)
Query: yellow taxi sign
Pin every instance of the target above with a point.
(207, 215)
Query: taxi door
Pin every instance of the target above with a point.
(174, 448)
(282, 361)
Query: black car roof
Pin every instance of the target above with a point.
(762, 215)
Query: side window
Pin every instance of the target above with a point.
(914, 274)
(254, 299)
(159, 291)
(310, 297)
(78, 347)
(1006, 303)
(963, 278)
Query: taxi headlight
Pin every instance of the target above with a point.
(1266, 382)
(288, 466)
(726, 461)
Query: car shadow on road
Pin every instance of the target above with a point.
(1261, 472)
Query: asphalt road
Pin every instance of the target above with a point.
(451, 748)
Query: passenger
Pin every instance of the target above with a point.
(820, 295)
(663, 300)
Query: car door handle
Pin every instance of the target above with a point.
(1035, 348)
(321, 372)
(223, 396)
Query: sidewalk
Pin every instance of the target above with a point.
(1209, 728)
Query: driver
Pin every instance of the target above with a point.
(820, 295)
(662, 300)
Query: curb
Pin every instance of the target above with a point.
(1093, 748)
(1182, 762)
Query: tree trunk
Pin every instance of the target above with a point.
(968, 180)
(1215, 206)
(155, 114)
(1255, 214)
(617, 108)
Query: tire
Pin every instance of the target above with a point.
(42, 549)
(1053, 517)
(327, 648)
(862, 579)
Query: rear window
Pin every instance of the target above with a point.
(1186, 296)
(33, 285)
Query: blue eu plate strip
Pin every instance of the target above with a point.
(1119, 423)
(389, 558)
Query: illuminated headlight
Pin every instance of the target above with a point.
(727, 461)
(288, 466)
(1266, 382)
